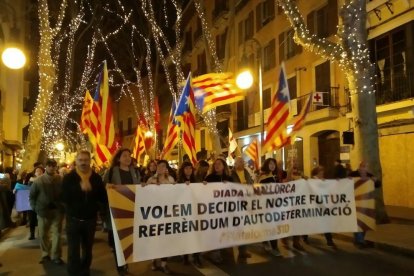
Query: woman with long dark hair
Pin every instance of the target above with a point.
(186, 176)
(269, 174)
(161, 176)
(150, 170)
(186, 173)
(219, 173)
(121, 172)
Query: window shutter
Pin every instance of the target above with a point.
(258, 17)
(311, 22)
(271, 7)
(281, 47)
(250, 25)
(332, 17)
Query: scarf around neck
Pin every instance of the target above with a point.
(85, 183)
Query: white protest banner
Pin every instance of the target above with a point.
(167, 220)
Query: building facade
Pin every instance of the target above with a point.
(13, 87)
(253, 33)
(260, 32)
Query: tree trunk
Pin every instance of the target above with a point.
(47, 80)
(366, 134)
(353, 56)
(46, 83)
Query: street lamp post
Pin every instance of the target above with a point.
(244, 80)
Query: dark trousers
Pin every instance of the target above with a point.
(328, 237)
(32, 221)
(80, 235)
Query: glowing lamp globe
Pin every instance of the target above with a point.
(13, 58)
(244, 80)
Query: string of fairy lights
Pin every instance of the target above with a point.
(59, 111)
(210, 116)
(69, 99)
(351, 51)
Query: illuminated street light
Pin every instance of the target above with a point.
(245, 79)
(13, 58)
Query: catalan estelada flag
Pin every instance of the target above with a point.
(101, 126)
(172, 134)
(252, 151)
(185, 114)
(215, 89)
(276, 128)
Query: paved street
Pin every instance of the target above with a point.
(20, 257)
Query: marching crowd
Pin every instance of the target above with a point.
(76, 197)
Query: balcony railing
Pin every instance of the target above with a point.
(394, 87)
(329, 99)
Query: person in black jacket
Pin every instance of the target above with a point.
(121, 172)
(83, 194)
(219, 172)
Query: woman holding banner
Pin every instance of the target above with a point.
(161, 176)
(242, 176)
(150, 170)
(219, 173)
(269, 174)
(186, 175)
(120, 172)
(319, 173)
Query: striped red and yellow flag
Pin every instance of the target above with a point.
(101, 130)
(139, 144)
(276, 128)
(299, 121)
(172, 135)
(107, 131)
(86, 112)
(215, 89)
(185, 114)
(252, 151)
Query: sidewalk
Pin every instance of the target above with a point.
(396, 237)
